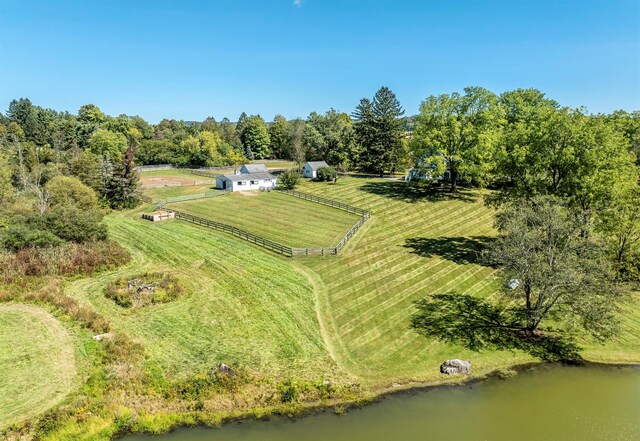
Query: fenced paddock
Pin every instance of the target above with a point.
(273, 219)
(161, 203)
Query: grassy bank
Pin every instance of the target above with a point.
(415, 245)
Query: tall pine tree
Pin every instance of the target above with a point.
(123, 187)
(378, 130)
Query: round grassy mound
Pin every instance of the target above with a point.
(37, 362)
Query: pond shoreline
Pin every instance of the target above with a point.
(341, 407)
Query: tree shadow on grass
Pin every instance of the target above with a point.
(478, 325)
(461, 250)
(404, 191)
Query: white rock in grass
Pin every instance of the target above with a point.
(455, 367)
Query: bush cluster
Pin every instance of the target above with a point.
(62, 260)
(326, 174)
(144, 289)
(52, 295)
(289, 179)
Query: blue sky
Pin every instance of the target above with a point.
(193, 59)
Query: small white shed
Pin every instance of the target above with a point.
(310, 169)
(246, 181)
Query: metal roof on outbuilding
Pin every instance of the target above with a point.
(315, 165)
(255, 168)
(249, 176)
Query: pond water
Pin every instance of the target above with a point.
(550, 402)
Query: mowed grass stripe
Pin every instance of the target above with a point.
(290, 221)
(371, 290)
(392, 304)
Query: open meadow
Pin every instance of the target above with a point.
(281, 320)
(172, 192)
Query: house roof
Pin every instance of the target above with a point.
(249, 176)
(315, 165)
(256, 168)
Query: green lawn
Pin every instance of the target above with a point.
(275, 216)
(37, 362)
(241, 305)
(276, 164)
(412, 247)
(170, 192)
(183, 173)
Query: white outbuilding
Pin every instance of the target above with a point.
(310, 169)
(246, 181)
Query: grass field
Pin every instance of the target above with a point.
(171, 192)
(241, 306)
(37, 362)
(276, 164)
(247, 305)
(412, 247)
(275, 216)
(181, 173)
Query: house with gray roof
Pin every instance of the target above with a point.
(310, 169)
(242, 181)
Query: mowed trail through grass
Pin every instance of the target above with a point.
(241, 306)
(291, 221)
(413, 246)
(37, 362)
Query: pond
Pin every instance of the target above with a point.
(549, 402)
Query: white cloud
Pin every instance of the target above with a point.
(297, 3)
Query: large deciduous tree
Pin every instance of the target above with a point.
(457, 133)
(104, 142)
(562, 276)
(279, 136)
(255, 138)
(330, 137)
(548, 150)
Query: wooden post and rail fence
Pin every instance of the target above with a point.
(261, 241)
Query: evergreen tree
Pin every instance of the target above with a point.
(123, 186)
(388, 111)
(378, 131)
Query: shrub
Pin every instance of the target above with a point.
(289, 179)
(326, 174)
(69, 190)
(74, 224)
(63, 260)
(289, 391)
(20, 236)
(144, 289)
